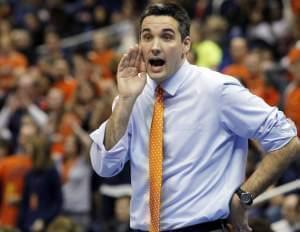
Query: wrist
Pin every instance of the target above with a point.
(245, 198)
(127, 100)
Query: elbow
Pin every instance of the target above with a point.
(107, 169)
(104, 168)
(293, 148)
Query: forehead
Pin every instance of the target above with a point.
(159, 23)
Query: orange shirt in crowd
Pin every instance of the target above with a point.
(12, 61)
(238, 71)
(292, 106)
(64, 130)
(295, 5)
(257, 86)
(104, 59)
(13, 170)
(68, 87)
(271, 96)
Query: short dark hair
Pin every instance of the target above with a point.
(169, 9)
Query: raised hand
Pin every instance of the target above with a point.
(131, 75)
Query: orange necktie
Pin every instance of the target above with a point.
(156, 159)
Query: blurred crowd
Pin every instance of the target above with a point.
(51, 99)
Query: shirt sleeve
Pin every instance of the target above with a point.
(108, 163)
(248, 116)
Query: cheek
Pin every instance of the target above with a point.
(176, 55)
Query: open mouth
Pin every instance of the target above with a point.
(157, 62)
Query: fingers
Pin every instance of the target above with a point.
(242, 228)
(133, 56)
(138, 57)
(142, 64)
(124, 62)
(130, 59)
(230, 227)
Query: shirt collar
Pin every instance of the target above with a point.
(171, 84)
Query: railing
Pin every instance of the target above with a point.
(116, 32)
(286, 188)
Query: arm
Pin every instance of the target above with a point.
(130, 85)
(271, 167)
(268, 171)
(118, 122)
(111, 141)
(247, 116)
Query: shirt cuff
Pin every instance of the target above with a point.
(98, 138)
(279, 134)
(108, 162)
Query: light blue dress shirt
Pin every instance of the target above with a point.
(208, 119)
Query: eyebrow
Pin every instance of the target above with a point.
(145, 30)
(164, 30)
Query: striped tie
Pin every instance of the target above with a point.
(156, 159)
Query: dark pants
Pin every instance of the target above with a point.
(214, 226)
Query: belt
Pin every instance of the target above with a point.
(202, 227)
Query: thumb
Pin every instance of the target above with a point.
(142, 75)
(230, 227)
(248, 228)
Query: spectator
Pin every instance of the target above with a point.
(62, 78)
(292, 94)
(257, 82)
(11, 63)
(42, 194)
(13, 170)
(76, 178)
(52, 52)
(59, 124)
(238, 52)
(102, 54)
(19, 103)
(207, 51)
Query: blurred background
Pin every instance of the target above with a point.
(58, 62)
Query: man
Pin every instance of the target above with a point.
(207, 120)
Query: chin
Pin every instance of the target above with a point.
(157, 77)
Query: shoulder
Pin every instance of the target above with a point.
(209, 79)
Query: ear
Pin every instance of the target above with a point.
(187, 44)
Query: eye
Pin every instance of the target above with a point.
(146, 37)
(167, 36)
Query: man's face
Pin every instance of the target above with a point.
(162, 47)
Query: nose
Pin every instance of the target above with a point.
(156, 47)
